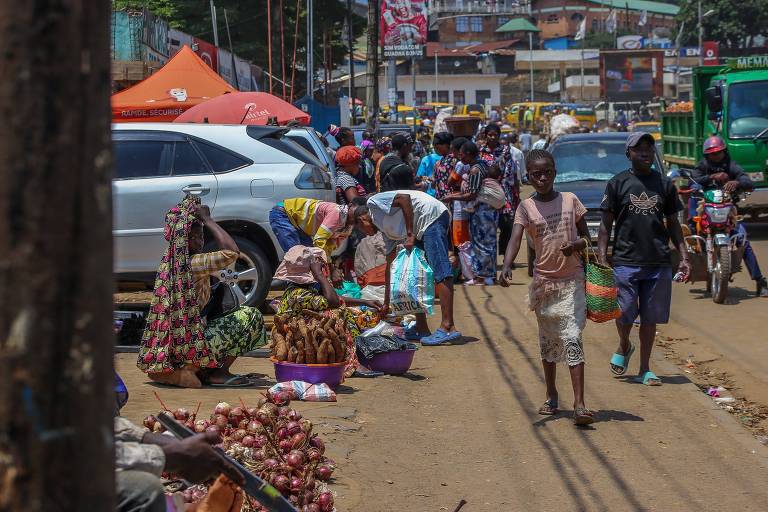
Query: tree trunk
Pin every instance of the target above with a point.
(56, 343)
(372, 73)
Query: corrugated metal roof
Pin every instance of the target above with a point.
(640, 5)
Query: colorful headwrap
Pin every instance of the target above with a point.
(348, 155)
(384, 145)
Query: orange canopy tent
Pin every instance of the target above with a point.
(182, 83)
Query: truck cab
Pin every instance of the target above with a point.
(730, 101)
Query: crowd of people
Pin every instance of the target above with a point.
(459, 201)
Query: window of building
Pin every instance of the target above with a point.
(476, 24)
(440, 97)
(481, 95)
(577, 16)
(401, 97)
(458, 98)
(595, 25)
(462, 24)
(421, 97)
(501, 20)
(553, 18)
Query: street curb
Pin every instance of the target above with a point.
(723, 417)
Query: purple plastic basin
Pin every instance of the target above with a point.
(393, 363)
(331, 374)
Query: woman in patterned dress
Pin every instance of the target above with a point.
(188, 341)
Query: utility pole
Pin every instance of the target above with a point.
(701, 36)
(351, 63)
(215, 24)
(57, 397)
(310, 49)
(372, 71)
(530, 62)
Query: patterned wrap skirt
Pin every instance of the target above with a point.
(561, 312)
(235, 333)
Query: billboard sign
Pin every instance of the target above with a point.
(631, 75)
(403, 27)
(711, 52)
(629, 42)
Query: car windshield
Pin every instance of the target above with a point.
(589, 160)
(747, 109)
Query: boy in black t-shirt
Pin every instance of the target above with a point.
(643, 204)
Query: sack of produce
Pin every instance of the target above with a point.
(492, 194)
(412, 283)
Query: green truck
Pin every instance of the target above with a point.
(731, 101)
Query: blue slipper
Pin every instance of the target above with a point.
(440, 337)
(622, 361)
(647, 377)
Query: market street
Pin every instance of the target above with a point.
(463, 423)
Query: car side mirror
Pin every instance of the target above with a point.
(714, 99)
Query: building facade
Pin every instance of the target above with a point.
(562, 18)
(456, 23)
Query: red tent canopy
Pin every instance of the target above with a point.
(244, 108)
(178, 86)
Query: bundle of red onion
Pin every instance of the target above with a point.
(272, 440)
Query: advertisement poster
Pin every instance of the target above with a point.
(711, 53)
(207, 52)
(403, 27)
(631, 75)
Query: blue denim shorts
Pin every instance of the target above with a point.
(436, 246)
(644, 291)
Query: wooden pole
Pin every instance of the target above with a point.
(57, 395)
(269, 42)
(282, 48)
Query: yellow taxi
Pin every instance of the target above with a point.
(516, 114)
(652, 127)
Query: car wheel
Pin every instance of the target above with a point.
(250, 276)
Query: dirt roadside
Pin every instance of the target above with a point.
(463, 425)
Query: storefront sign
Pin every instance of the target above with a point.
(403, 27)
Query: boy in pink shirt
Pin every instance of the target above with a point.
(555, 223)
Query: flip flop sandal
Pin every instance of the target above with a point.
(363, 373)
(583, 416)
(440, 337)
(413, 335)
(549, 408)
(649, 379)
(230, 382)
(622, 361)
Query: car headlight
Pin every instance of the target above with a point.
(717, 215)
(312, 177)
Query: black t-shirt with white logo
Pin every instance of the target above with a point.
(639, 204)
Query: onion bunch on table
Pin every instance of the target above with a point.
(272, 440)
(310, 338)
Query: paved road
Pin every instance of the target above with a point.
(463, 425)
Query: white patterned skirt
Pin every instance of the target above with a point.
(561, 312)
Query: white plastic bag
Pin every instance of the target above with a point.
(412, 283)
(465, 258)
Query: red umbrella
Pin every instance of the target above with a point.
(243, 108)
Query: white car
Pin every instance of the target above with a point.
(240, 172)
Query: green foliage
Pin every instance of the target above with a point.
(248, 24)
(733, 23)
(604, 39)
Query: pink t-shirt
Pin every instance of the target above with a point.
(548, 225)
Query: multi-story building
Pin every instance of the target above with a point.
(562, 18)
(462, 22)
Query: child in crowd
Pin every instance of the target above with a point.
(555, 222)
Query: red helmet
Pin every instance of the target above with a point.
(714, 144)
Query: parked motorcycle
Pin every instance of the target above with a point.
(715, 254)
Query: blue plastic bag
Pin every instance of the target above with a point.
(412, 283)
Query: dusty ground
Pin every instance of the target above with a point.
(463, 424)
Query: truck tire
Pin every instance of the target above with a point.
(721, 275)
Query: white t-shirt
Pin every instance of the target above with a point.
(390, 220)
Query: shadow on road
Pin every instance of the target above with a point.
(735, 295)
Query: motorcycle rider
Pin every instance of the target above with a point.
(717, 168)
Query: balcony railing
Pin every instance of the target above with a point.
(437, 7)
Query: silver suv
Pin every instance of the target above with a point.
(241, 172)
